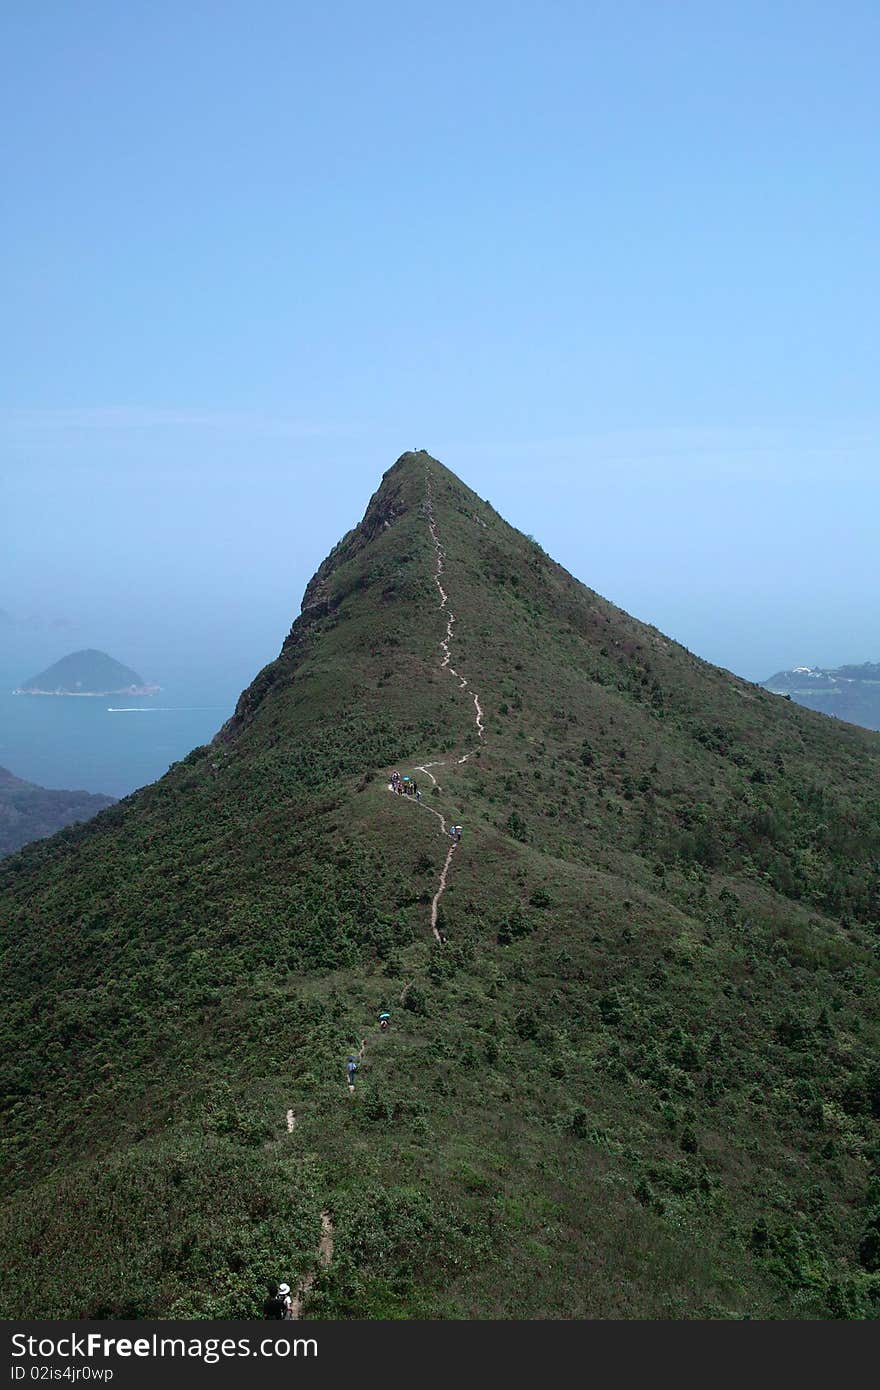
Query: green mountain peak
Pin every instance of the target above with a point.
(633, 1003)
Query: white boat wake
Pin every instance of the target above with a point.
(161, 709)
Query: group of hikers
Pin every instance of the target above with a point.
(279, 1303)
(405, 786)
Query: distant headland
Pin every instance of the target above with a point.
(87, 673)
(29, 812)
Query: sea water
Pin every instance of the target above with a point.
(110, 744)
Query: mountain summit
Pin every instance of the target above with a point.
(625, 933)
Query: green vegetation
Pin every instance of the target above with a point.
(29, 812)
(641, 1078)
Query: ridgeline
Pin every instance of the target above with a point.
(640, 1076)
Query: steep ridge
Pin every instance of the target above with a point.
(325, 1250)
(638, 1078)
(445, 664)
(444, 600)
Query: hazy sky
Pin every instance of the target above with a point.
(614, 263)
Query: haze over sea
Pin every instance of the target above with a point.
(112, 744)
(71, 742)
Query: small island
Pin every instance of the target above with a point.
(87, 673)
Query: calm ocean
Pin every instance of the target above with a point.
(107, 744)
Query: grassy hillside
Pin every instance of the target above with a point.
(640, 1078)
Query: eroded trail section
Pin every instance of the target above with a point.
(435, 902)
(325, 1255)
(479, 716)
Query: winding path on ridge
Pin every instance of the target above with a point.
(450, 616)
(325, 1246)
(463, 684)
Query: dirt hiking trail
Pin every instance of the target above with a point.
(325, 1247)
(325, 1255)
(463, 684)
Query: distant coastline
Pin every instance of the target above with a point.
(93, 694)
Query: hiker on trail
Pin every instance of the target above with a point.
(418, 794)
(274, 1304)
(351, 1067)
(384, 1020)
(455, 832)
(284, 1295)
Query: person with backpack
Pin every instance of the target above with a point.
(351, 1068)
(274, 1304)
(284, 1296)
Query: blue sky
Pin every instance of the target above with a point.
(614, 263)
